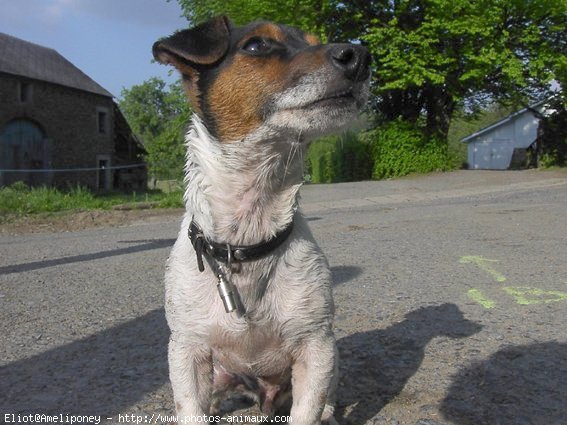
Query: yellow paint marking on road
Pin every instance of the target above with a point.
(528, 296)
(477, 296)
(485, 265)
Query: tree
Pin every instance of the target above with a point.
(431, 57)
(436, 56)
(158, 115)
(310, 15)
(552, 135)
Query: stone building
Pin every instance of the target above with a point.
(59, 127)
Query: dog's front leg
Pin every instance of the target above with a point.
(312, 381)
(191, 374)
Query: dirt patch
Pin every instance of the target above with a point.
(79, 220)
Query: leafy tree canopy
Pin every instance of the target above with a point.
(435, 56)
(309, 15)
(158, 115)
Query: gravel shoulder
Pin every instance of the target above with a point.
(72, 221)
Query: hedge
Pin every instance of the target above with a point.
(393, 150)
(339, 159)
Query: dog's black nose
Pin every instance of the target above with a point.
(353, 60)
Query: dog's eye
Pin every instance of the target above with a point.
(256, 45)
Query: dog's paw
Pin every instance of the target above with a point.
(327, 418)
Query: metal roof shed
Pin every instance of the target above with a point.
(492, 148)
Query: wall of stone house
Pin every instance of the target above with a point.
(69, 119)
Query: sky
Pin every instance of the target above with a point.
(109, 40)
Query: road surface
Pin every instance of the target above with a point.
(451, 295)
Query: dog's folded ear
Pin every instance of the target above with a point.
(204, 44)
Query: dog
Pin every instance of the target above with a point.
(248, 291)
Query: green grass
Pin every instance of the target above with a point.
(19, 199)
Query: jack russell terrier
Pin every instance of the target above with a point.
(248, 291)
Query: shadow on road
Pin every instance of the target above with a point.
(111, 371)
(342, 274)
(35, 265)
(376, 365)
(517, 385)
(103, 374)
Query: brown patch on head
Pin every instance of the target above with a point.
(191, 88)
(238, 95)
(267, 30)
(237, 98)
(308, 61)
(313, 40)
(178, 406)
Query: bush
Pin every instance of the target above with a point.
(399, 149)
(339, 159)
(393, 150)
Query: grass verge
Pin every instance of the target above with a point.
(19, 200)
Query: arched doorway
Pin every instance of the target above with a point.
(23, 149)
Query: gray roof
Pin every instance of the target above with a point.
(505, 120)
(19, 57)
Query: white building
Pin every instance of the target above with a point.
(492, 148)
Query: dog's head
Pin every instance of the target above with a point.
(267, 77)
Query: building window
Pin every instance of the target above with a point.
(25, 92)
(102, 121)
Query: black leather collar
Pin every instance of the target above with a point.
(233, 254)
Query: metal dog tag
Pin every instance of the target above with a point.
(226, 293)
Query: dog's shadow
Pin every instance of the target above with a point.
(376, 365)
(524, 384)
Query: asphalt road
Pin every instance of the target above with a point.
(451, 294)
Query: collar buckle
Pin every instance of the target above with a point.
(232, 255)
